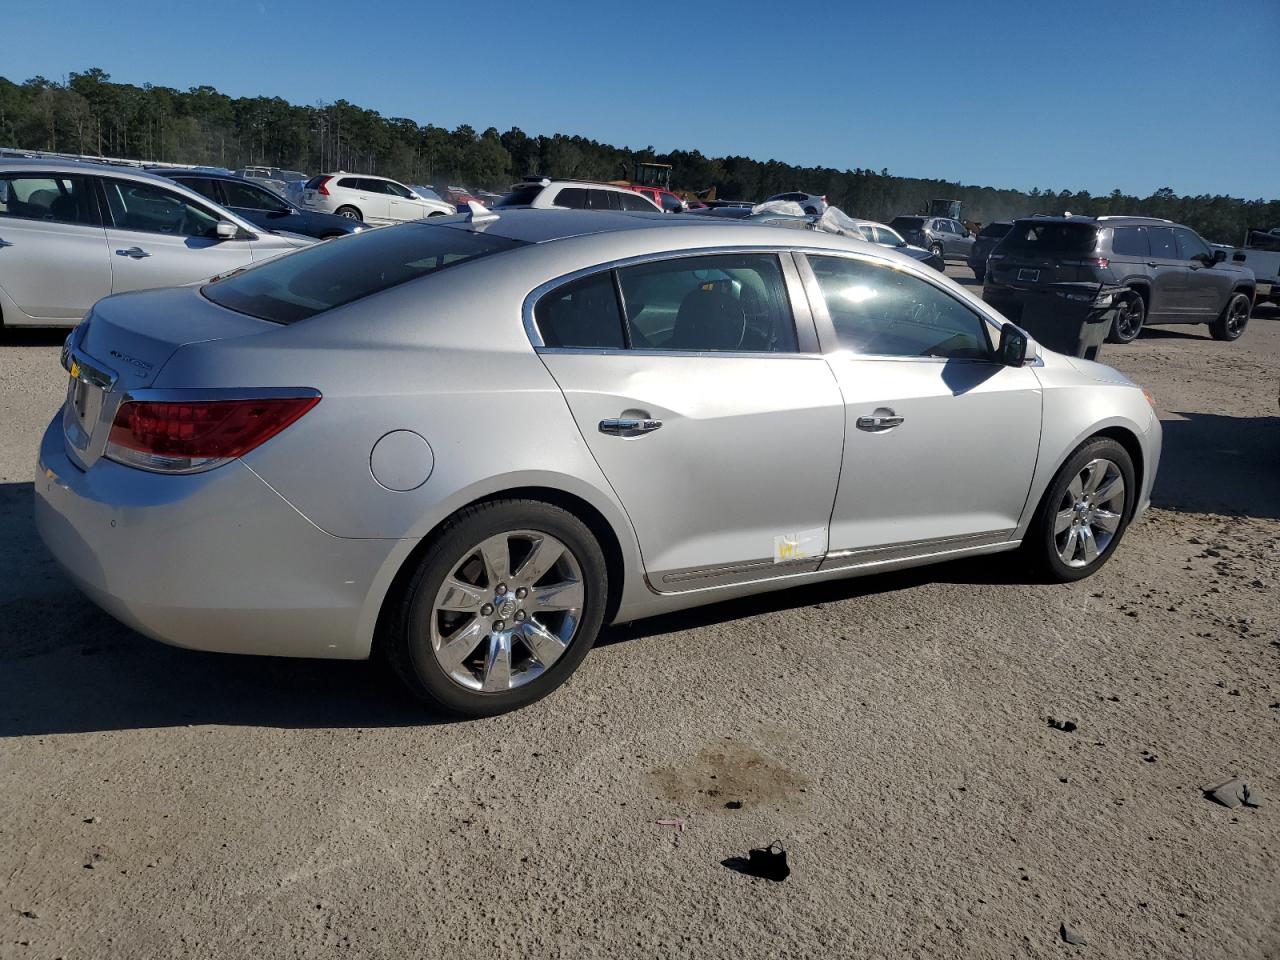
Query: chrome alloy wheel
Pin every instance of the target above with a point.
(1090, 513)
(508, 611)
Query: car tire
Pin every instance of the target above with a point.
(351, 213)
(1082, 505)
(979, 275)
(1131, 314)
(436, 213)
(528, 637)
(936, 250)
(1233, 319)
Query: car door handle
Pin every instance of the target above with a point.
(628, 427)
(137, 253)
(879, 422)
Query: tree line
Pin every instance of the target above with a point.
(91, 114)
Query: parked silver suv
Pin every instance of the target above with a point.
(948, 238)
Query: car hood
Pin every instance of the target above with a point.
(284, 240)
(1094, 370)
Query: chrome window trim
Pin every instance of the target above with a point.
(797, 309)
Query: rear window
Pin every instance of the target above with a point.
(315, 181)
(338, 272)
(520, 196)
(1050, 238)
(995, 230)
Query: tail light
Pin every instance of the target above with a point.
(321, 188)
(192, 436)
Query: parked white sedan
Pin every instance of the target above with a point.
(372, 199)
(72, 233)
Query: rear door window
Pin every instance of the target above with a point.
(1163, 246)
(1131, 242)
(50, 197)
(328, 275)
(604, 200)
(879, 311)
(203, 186)
(583, 314)
(732, 302)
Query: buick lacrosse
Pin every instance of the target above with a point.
(470, 443)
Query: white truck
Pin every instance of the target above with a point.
(1261, 254)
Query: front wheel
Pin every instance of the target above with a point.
(936, 250)
(1233, 319)
(1131, 313)
(503, 607)
(1084, 513)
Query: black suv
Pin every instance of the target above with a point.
(1171, 275)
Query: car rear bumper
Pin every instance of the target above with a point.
(210, 561)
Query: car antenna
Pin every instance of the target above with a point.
(477, 212)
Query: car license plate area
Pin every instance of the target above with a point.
(1031, 276)
(82, 412)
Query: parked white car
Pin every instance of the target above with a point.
(548, 194)
(72, 233)
(372, 199)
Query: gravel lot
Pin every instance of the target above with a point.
(892, 733)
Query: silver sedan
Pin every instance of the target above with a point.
(469, 444)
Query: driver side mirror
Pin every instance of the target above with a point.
(1219, 256)
(227, 230)
(1012, 351)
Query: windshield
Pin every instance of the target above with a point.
(337, 272)
(1049, 238)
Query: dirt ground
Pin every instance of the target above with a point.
(891, 732)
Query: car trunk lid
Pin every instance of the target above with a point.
(122, 346)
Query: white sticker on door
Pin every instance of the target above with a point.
(801, 545)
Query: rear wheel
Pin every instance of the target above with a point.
(1233, 319)
(502, 608)
(980, 274)
(351, 213)
(436, 213)
(1131, 313)
(1084, 513)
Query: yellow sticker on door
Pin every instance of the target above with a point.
(802, 545)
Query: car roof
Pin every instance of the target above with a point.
(197, 172)
(92, 167)
(547, 226)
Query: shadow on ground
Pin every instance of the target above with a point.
(1223, 465)
(33, 336)
(65, 666)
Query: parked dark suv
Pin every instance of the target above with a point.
(987, 238)
(948, 238)
(1170, 274)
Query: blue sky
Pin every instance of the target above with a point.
(1021, 94)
